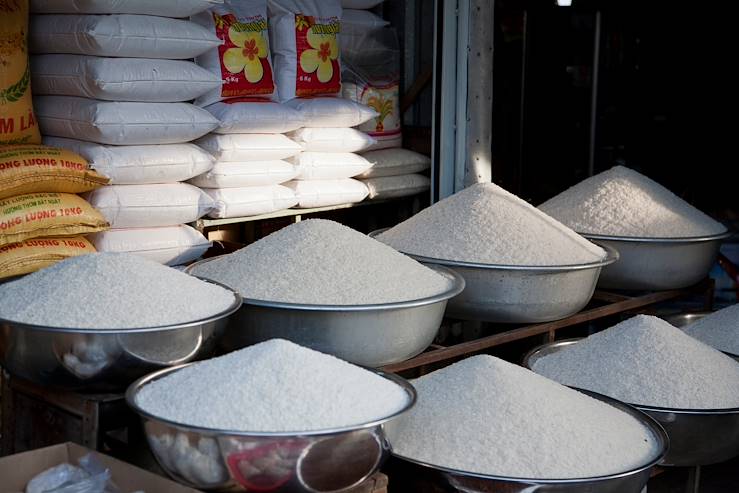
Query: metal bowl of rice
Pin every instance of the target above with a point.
(658, 263)
(520, 293)
(697, 436)
(371, 335)
(420, 477)
(104, 359)
(328, 460)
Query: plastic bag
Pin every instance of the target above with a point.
(90, 477)
(371, 76)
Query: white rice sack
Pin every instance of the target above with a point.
(323, 193)
(164, 8)
(169, 245)
(250, 201)
(305, 47)
(249, 147)
(329, 165)
(332, 139)
(395, 162)
(108, 122)
(242, 61)
(120, 79)
(387, 187)
(120, 35)
(142, 164)
(332, 112)
(384, 98)
(360, 4)
(252, 174)
(353, 19)
(146, 206)
(238, 116)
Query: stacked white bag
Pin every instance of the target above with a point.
(113, 80)
(305, 47)
(248, 145)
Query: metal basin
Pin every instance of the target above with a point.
(104, 360)
(227, 460)
(658, 263)
(697, 436)
(683, 319)
(368, 335)
(520, 294)
(422, 477)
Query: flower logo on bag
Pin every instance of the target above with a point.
(250, 49)
(244, 55)
(383, 106)
(320, 56)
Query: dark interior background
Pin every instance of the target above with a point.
(662, 103)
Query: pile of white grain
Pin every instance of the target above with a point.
(486, 416)
(644, 360)
(622, 202)
(271, 387)
(719, 330)
(110, 291)
(322, 262)
(486, 224)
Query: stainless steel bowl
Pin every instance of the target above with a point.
(697, 436)
(423, 477)
(684, 319)
(368, 335)
(519, 293)
(287, 462)
(104, 360)
(658, 263)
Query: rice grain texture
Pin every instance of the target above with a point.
(645, 360)
(487, 416)
(623, 202)
(486, 224)
(719, 330)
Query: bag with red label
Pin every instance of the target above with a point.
(304, 35)
(243, 60)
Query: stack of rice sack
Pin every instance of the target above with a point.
(371, 73)
(249, 145)
(304, 36)
(40, 217)
(112, 82)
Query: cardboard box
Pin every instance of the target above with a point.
(17, 470)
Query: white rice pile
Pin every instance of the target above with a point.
(644, 360)
(719, 329)
(487, 416)
(110, 291)
(322, 262)
(273, 386)
(486, 224)
(622, 202)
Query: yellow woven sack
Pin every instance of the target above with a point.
(17, 121)
(36, 168)
(47, 214)
(31, 255)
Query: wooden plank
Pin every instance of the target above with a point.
(609, 297)
(477, 345)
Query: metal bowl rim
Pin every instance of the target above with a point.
(136, 386)
(612, 256)
(646, 420)
(642, 407)
(672, 239)
(457, 286)
(235, 305)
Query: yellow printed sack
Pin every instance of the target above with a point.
(36, 168)
(47, 214)
(17, 121)
(31, 255)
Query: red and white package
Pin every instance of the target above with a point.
(243, 60)
(304, 35)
